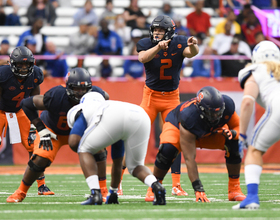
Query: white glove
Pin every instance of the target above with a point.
(45, 139)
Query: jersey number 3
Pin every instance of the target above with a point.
(168, 64)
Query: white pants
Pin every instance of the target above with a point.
(267, 130)
(120, 121)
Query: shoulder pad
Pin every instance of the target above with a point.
(180, 38)
(5, 73)
(229, 104)
(245, 73)
(143, 44)
(38, 73)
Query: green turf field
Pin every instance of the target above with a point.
(72, 189)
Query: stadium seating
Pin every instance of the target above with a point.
(63, 28)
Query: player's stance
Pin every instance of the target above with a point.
(18, 80)
(97, 124)
(52, 128)
(207, 121)
(162, 55)
(260, 82)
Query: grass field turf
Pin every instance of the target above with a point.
(72, 189)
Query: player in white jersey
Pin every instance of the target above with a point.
(260, 82)
(96, 124)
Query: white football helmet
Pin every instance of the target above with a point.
(265, 51)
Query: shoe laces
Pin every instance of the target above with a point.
(180, 188)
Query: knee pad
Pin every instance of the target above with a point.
(165, 156)
(101, 156)
(34, 167)
(232, 153)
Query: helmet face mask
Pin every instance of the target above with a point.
(265, 51)
(211, 104)
(78, 83)
(167, 24)
(22, 62)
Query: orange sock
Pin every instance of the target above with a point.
(123, 169)
(24, 187)
(233, 181)
(102, 183)
(41, 181)
(175, 179)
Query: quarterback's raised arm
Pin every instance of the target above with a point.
(192, 48)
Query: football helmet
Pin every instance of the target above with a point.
(22, 62)
(167, 24)
(211, 104)
(78, 83)
(265, 51)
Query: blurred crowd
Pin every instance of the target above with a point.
(238, 31)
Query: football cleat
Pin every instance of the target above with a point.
(159, 192)
(236, 196)
(17, 196)
(234, 191)
(149, 195)
(251, 202)
(112, 197)
(178, 191)
(44, 190)
(104, 192)
(120, 191)
(94, 199)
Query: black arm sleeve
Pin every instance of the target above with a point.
(29, 109)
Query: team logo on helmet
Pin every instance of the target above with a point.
(200, 96)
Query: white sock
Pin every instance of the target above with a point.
(149, 180)
(93, 182)
(252, 174)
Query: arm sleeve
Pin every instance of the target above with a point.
(80, 126)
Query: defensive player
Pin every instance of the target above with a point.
(52, 127)
(162, 55)
(260, 82)
(18, 80)
(207, 121)
(98, 123)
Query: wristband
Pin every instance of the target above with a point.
(197, 186)
(40, 126)
(234, 133)
(244, 136)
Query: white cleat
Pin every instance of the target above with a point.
(249, 206)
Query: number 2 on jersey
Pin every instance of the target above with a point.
(168, 64)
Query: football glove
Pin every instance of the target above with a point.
(242, 144)
(32, 135)
(45, 139)
(225, 132)
(201, 197)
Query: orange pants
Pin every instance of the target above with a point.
(154, 102)
(24, 127)
(57, 144)
(171, 134)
